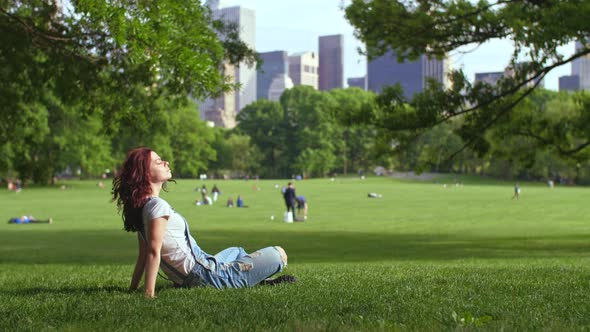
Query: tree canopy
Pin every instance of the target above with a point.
(78, 78)
(300, 134)
(436, 28)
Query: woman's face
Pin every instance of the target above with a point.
(159, 169)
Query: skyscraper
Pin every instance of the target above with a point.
(245, 19)
(221, 111)
(279, 84)
(569, 83)
(357, 82)
(215, 4)
(581, 68)
(303, 69)
(490, 78)
(274, 64)
(412, 76)
(331, 73)
(510, 72)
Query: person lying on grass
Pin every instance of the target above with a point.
(29, 220)
(165, 241)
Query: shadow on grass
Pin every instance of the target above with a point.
(118, 247)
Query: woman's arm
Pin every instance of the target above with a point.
(156, 229)
(139, 264)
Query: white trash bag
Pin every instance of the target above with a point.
(288, 217)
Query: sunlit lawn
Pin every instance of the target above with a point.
(423, 257)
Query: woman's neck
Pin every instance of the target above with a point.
(156, 188)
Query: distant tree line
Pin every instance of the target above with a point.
(316, 133)
(308, 132)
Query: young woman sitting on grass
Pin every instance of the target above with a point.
(165, 241)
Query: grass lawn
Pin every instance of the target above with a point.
(422, 257)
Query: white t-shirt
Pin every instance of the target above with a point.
(176, 250)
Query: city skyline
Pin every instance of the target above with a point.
(295, 26)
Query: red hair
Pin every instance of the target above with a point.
(131, 187)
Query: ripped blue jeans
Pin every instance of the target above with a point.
(234, 268)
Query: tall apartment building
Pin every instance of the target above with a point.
(331, 53)
(274, 65)
(581, 68)
(569, 83)
(412, 75)
(245, 19)
(510, 72)
(221, 111)
(490, 78)
(279, 84)
(357, 82)
(303, 69)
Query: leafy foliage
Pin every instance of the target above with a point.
(310, 132)
(263, 121)
(435, 28)
(73, 79)
(191, 143)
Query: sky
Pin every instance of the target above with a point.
(295, 25)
